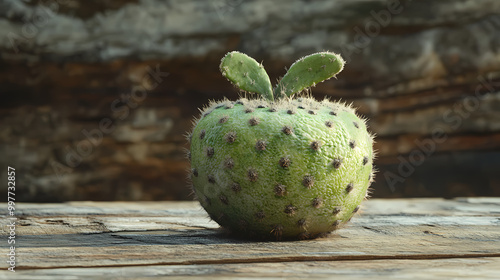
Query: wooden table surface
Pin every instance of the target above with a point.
(389, 239)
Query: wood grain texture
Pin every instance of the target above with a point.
(389, 238)
(462, 268)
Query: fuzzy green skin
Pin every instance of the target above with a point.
(240, 211)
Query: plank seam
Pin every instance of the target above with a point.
(288, 259)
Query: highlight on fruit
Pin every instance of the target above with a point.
(280, 165)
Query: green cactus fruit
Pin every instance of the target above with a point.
(279, 166)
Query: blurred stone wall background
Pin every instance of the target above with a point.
(96, 95)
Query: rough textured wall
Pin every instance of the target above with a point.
(96, 95)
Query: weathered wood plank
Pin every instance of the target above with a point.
(204, 247)
(96, 217)
(436, 206)
(94, 234)
(463, 268)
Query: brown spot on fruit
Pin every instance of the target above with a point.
(211, 179)
(336, 210)
(355, 209)
(315, 145)
(336, 224)
(202, 134)
(352, 144)
(230, 137)
(287, 130)
(277, 231)
(223, 119)
(260, 145)
(336, 163)
(195, 172)
(317, 202)
(302, 223)
(248, 110)
(365, 160)
(333, 113)
(260, 215)
(308, 181)
(209, 152)
(329, 124)
(229, 163)
(290, 210)
(280, 190)
(223, 199)
(235, 187)
(252, 175)
(311, 112)
(290, 111)
(254, 121)
(349, 187)
(355, 124)
(284, 162)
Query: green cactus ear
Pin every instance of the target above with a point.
(307, 72)
(246, 73)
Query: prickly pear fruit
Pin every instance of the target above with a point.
(276, 166)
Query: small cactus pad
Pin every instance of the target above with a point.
(308, 71)
(290, 176)
(246, 73)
